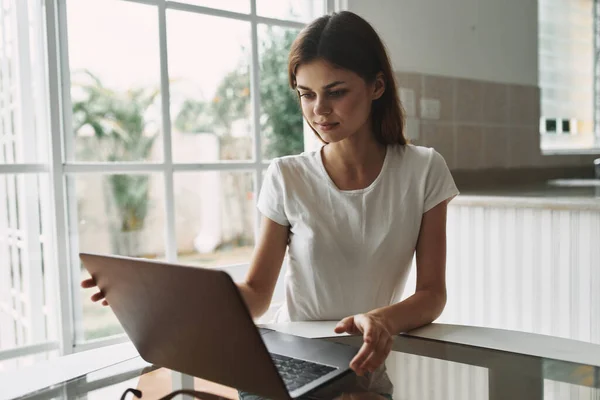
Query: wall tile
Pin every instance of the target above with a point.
(482, 124)
(524, 105)
(495, 147)
(469, 146)
(442, 89)
(495, 103)
(469, 104)
(440, 136)
(524, 147)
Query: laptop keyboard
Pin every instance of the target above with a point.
(297, 373)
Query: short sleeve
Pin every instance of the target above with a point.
(439, 184)
(270, 200)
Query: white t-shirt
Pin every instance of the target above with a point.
(350, 251)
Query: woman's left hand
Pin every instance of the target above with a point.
(377, 340)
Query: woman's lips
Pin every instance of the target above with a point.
(328, 126)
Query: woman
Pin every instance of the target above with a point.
(352, 213)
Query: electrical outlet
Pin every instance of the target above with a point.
(430, 108)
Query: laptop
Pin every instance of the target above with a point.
(194, 320)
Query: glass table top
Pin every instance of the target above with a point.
(421, 369)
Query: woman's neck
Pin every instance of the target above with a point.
(355, 153)
(354, 163)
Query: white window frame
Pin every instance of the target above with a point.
(26, 110)
(61, 166)
(65, 272)
(596, 10)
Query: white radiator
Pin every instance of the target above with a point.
(526, 269)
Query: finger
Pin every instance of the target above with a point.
(374, 359)
(104, 302)
(378, 356)
(97, 296)
(365, 350)
(370, 359)
(370, 335)
(88, 283)
(341, 326)
(344, 325)
(382, 356)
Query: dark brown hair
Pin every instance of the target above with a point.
(348, 41)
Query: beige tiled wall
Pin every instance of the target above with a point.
(482, 125)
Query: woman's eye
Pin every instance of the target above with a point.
(306, 95)
(337, 93)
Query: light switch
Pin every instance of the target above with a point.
(430, 108)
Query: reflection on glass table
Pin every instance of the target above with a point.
(431, 369)
(418, 369)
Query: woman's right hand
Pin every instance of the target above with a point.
(90, 283)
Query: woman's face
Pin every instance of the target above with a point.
(336, 102)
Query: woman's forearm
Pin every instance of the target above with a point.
(257, 302)
(420, 309)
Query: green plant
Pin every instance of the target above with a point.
(282, 122)
(281, 119)
(121, 131)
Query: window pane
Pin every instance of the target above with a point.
(281, 118)
(215, 217)
(241, 6)
(295, 10)
(566, 74)
(23, 101)
(210, 88)
(28, 304)
(112, 214)
(115, 81)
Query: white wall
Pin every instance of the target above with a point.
(491, 40)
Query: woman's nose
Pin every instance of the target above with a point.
(322, 107)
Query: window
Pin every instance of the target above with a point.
(139, 128)
(568, 49)
(28, 301)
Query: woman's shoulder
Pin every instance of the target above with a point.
(413, 155)
(307, 159)
(296, 168)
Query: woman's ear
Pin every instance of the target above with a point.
(379, 87)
